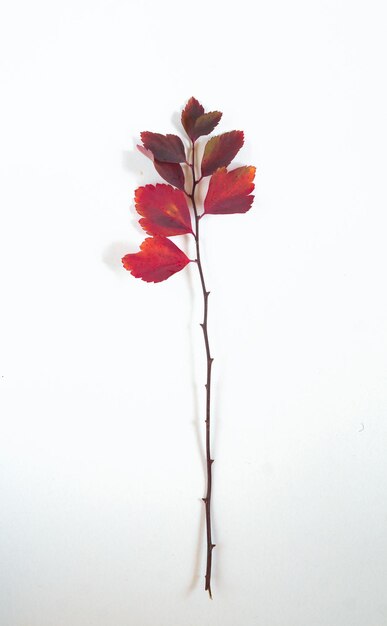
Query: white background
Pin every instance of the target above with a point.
(102, 375)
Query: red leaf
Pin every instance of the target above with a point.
(171, 172)
(195, 122)
(167, 148)
(164, 210)
(228, 192)
(157, 260)
(221, 150)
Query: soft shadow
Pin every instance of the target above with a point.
(197, 575)
(216, 412)
(198, 420)
(142, 168)
(139, 165)
(176, 122)
(113, 254)
(192, 329)
(143, 172)
(216, 426)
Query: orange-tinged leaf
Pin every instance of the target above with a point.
(164, 210)
(196, 122)
(229, 192)
(167, 148)
(221, 150)
(158, 259)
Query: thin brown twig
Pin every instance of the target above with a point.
(209, 460)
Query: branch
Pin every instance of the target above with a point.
(209, 460)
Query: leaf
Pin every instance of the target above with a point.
(206, 123)
(167, 148)
(196, 122)
(145, 152)
(192, 110)
(158, 259)
(228, 192)
(171, 172)
(221, 150)
(164, 210)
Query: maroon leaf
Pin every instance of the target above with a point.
(195, 122)
(167, 148)
(158, 259)
(221, 150)
(171, 172)
(193, 109)
(228, 192)
(205, 124)
(164, 210)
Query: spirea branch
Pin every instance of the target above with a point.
(165, 212)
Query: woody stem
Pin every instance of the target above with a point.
(209, 460)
